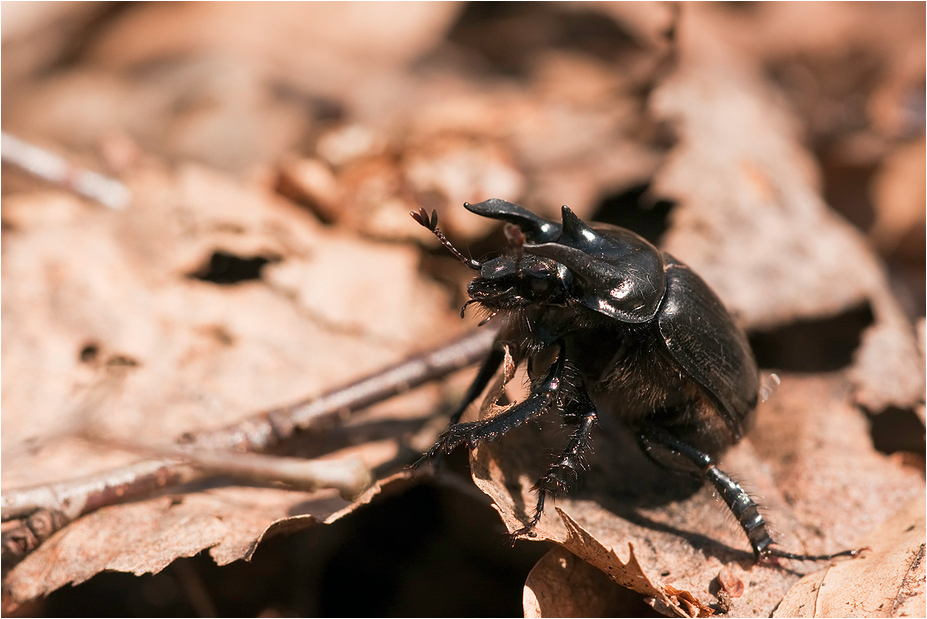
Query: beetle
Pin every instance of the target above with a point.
(609, 324)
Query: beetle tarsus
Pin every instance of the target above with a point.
(429, 456)
(528, 529)
(770, 554)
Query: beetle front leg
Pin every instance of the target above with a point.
(743, 507)
(565, 473)
(474, 433)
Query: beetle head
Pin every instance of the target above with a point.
(510, 282)
(606, 268)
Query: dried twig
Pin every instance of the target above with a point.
(349, 476)
(266, 429)
(76, 497)
(59, 171)
(208, 452)
(46, 509)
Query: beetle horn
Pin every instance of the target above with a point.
(536, 229)
(576, 233)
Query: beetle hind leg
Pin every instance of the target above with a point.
(668, 450)
(747, 513)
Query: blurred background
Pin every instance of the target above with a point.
(357, 113)
(351, 107)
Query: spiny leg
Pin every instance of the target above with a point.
(487, 371)
(563, 474)
(488, 429)
(736, 498)
(750, 519)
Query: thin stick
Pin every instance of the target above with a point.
(59, 171)
(264, 430)
(259, 432)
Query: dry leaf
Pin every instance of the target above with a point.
(563, 585)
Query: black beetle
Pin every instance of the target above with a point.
(609, 324)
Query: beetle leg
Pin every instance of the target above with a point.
(564, 474)
(487, 371)
(474, 433)
(750, 519)
(743, 507)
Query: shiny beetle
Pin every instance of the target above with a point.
(609, 324)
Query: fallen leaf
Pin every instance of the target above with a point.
(563, 585)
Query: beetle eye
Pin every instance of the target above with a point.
(539, 285)
(539, 270)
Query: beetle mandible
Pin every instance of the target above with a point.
(630, 330)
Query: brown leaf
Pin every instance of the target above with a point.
(563, 585)
(819, 449)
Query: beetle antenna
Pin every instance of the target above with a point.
(432, 224)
